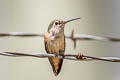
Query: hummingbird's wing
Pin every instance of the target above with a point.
(56, 63)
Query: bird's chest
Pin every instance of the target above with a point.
(57, 43)
(55, 46)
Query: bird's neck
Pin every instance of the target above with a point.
(56, 35)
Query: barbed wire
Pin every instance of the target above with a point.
(77, 57)
(73, 37)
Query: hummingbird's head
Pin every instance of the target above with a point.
(57, 26)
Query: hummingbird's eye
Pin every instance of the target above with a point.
(56, 23)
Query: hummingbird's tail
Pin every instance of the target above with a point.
(56, 64)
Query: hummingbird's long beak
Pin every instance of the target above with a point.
(71, 20)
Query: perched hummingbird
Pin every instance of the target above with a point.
(55, 42)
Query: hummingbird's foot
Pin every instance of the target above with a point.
(56, 55)
(59, 55)
(62, 55)
(80, 56)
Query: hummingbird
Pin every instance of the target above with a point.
(55, 42)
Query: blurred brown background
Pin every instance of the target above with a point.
(99, 17)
